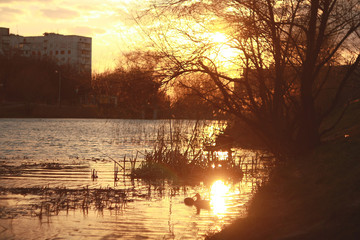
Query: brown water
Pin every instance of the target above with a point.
(60, 154)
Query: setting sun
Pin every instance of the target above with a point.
(218, 37)
(222, 52)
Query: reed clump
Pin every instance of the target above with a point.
(174, 155)
(179, 156)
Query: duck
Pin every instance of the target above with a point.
(198, 202)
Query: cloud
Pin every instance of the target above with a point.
(7, 13)
(7, 10)
(59, 13)
(108, 22)
(86, 31)
(16, 1)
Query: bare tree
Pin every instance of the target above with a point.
(136, 85)
(195, 97)
(285, 53)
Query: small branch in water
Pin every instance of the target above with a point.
(94, 175)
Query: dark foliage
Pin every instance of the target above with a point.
(31, 80)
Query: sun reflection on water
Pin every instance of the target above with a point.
(145, 203)
(218, 193)
(222, 155)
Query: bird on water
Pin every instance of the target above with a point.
(198, 203)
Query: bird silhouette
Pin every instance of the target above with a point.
(198, 203)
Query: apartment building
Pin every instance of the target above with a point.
(70, 50)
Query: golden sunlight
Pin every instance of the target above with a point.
(211, 131)
(218, 193)
(221, 155)
(218, 37)
(224, 51)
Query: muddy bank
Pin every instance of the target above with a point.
(313, 197)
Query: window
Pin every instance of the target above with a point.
(57, 52)
(62, 52)
(69, 51)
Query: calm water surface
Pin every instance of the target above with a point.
(77, 146)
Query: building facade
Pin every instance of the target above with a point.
(66, 50)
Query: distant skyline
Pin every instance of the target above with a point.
(108, 22)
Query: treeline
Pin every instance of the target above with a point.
(133, 90)
(40, 81)
(140, 91)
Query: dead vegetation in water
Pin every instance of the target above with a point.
(18, 170)
(45, 202)
(52, 201)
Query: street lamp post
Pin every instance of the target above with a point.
(59, 93)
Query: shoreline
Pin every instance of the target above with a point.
(29, 110)
(311, 197)
(35, 110)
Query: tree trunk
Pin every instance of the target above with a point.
(308, 136)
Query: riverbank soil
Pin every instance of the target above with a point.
(310, 197)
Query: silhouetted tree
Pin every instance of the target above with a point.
(136, 86)
(286, 52)
(191, 98)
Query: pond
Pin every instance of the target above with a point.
(48, 191)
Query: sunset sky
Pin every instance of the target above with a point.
(108, 22)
